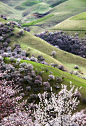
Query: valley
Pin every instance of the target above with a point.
(42, 54)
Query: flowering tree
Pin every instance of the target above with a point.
(57, 111)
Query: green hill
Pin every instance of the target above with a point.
(25, 8)
(78, 82)
(9, 12)
(81, 16)
(40, 47)
(61, 12)
(74, 24)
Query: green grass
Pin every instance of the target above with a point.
(72, 26)
(9, 11)
(37, 21)
(30, 2)
(81, 16)
(62, 12)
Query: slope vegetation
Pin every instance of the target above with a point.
(74, 24)
(9, 12)
(28, 7)
(37, 47)
(61, 12)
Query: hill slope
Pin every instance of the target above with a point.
(28, 7)
(40, 47)
(9, 11)
(73, 24)
(61, 12)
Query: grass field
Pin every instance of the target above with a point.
(81, 16)
(63, 11)
(73, 25)
(9, 11)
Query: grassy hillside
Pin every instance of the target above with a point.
(8, 11)
(81, 16)
(27, 7)
(37, 21)
(39, 46)
(63, 11)
(74, 24)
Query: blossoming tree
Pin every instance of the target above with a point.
(57, 111)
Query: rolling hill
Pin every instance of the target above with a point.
(73, 24)
(9, 12)
(37, 47)
(61, 12)
(28, 7)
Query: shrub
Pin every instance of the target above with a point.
(24, 65)
(51, 77)
(21, 32)
(76, 67)
(61, 67)
(58, 79)
(32, 58)
(30, 67)
(57, 110)
(40, 58)
(46, 84)
(53, 53)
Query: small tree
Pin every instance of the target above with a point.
(53, 53)
(57, 111)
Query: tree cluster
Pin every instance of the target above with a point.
(65, 42)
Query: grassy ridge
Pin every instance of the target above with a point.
(81, 16)
(71, 25)
(63, 11)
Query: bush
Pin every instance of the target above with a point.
(21, 32)
(53, 53)
(76, 67)
(57, 110)
(24, 65)
(51, 77)
(46, 84)
(58, 79)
